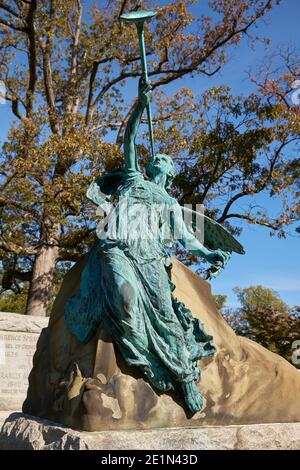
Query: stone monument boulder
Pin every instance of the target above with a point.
(18, 339)
(89, 387)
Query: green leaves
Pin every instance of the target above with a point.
(233, 148)
(264, 318)
(66, 73)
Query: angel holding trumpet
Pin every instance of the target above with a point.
(125, 284)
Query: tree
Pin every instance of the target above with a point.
(64, 70)
(220, 301)
(259, 298)
(14, 302)
(266, 319)
(232, 148)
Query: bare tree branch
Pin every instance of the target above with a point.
(16, 111)
(229, 204)
(47, 74)
(252, 220)
(9, 10)
(70, 105)
(10, 247)
(31, 57)
(90, 108)
(14, 26)
(262, 186)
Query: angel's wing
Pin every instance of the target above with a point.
(95, 194)
(211, 234)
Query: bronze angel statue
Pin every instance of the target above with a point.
(125, 284)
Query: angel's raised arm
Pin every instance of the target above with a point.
(133, 123)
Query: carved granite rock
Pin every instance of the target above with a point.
(89, 387)
(24, 432)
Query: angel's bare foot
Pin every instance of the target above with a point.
(192, 396)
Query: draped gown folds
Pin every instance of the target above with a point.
(125, 284)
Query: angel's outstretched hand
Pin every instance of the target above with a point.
(218, 260)
(217, 257)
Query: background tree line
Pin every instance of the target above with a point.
(263, 317)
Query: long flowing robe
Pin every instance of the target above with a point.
(125, 284)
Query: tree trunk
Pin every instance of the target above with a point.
(41, 285)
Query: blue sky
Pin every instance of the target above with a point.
(271, 262)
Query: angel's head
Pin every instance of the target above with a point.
(161, 167)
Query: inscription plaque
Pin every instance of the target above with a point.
(17, 350)
(16, 353)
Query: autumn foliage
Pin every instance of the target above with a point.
(66, 70)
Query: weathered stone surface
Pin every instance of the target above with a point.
(18, 338)
(3, 416)
(25, 323)
(26, 432)
(89, 387)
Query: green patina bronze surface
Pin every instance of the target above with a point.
(125, 283)
(138, 18)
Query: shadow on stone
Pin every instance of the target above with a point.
(89, 386)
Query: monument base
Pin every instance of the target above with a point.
(90, 388)
(25, 432)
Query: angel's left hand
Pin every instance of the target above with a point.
(218, 258)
